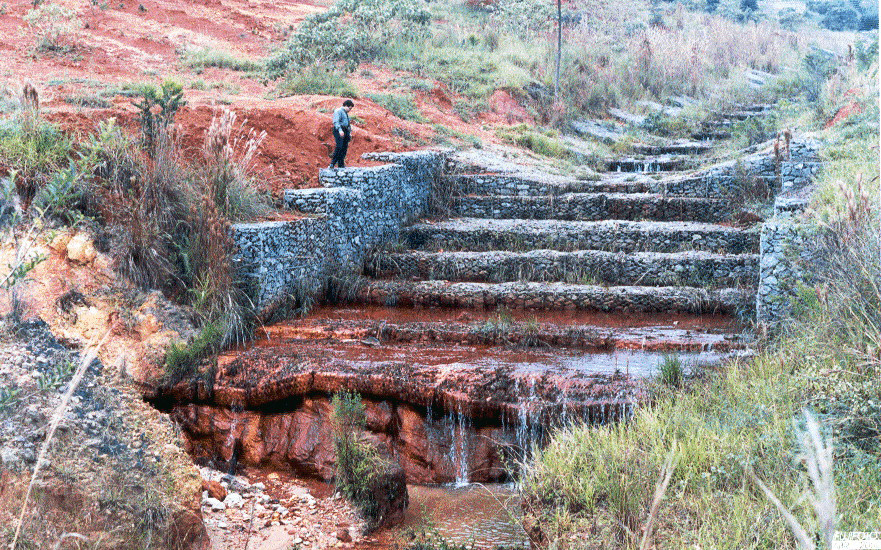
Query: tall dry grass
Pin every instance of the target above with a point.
(229, 151)
(612, 58)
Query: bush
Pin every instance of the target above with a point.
(400, 105)
(671, 372)
(34, 150)
(229, 151)
(221, 59)
(157, 108)
(358, 464)
(319, 81)
(539, 143)
(350, 32)
(54, 26)
(841, 17)
(183, 360)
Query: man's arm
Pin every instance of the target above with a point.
(338, 122)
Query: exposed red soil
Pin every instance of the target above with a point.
(127, 41)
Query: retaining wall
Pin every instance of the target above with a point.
(786, 242)
(785, 251)
(355, 210)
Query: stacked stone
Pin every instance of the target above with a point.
(591, 266)
(354, 211)
(560, 296)
(478, 234)
(595, 206)
(785, 251)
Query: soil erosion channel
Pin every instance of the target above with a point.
(478, 334)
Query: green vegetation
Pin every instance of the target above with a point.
(671, 372)
(616, 55)
(359, 467)
(183, 360)
(738, 432)
(372, 29)
(205, 58)
(53, 26)
(167, 98)
(537, 141)
(164, 222)
(400, 105)
(320, 81)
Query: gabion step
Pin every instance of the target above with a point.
(560, 296)
(594, 206)
(701, 269)
(482, 234)
(502, 329)
(651, 164)
(710, 135)
(525, 185)
(686, 148)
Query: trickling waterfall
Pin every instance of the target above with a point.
(231, 439)
(457, 426)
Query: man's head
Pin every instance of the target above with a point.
(348, 104)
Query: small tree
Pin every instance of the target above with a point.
(168, 98)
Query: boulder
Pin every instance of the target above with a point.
(388, 492)
(214, 488)
(81, 249)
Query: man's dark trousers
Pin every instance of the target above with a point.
(342, 147)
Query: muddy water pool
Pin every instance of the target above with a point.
(483, 517)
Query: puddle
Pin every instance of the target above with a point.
(636, 363)
(484, 517)
(588, 318)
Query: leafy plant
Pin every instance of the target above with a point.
(358, 464)
(56, 376)
(168, 98)
(221, 59)
(183, 360)
(9, 396)
(671, 372)
(352, 31)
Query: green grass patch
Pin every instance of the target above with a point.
(400, 105)
(319, 81)
(88, 101)
(536, 140)
(183, 360)
(203, 59)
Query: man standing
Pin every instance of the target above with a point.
(341, 134)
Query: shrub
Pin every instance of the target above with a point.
(221, 59)
(352, 31)
(168, 98)
(358, 464)
(54, 26)
(318, 80)
(671, 372)
(400, 105)
(182, 360)
(536, 142)
(841, 17)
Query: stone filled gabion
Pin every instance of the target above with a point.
(358, 209)
(355, 210)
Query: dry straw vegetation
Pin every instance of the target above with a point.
(162, 218)
(614, 54)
